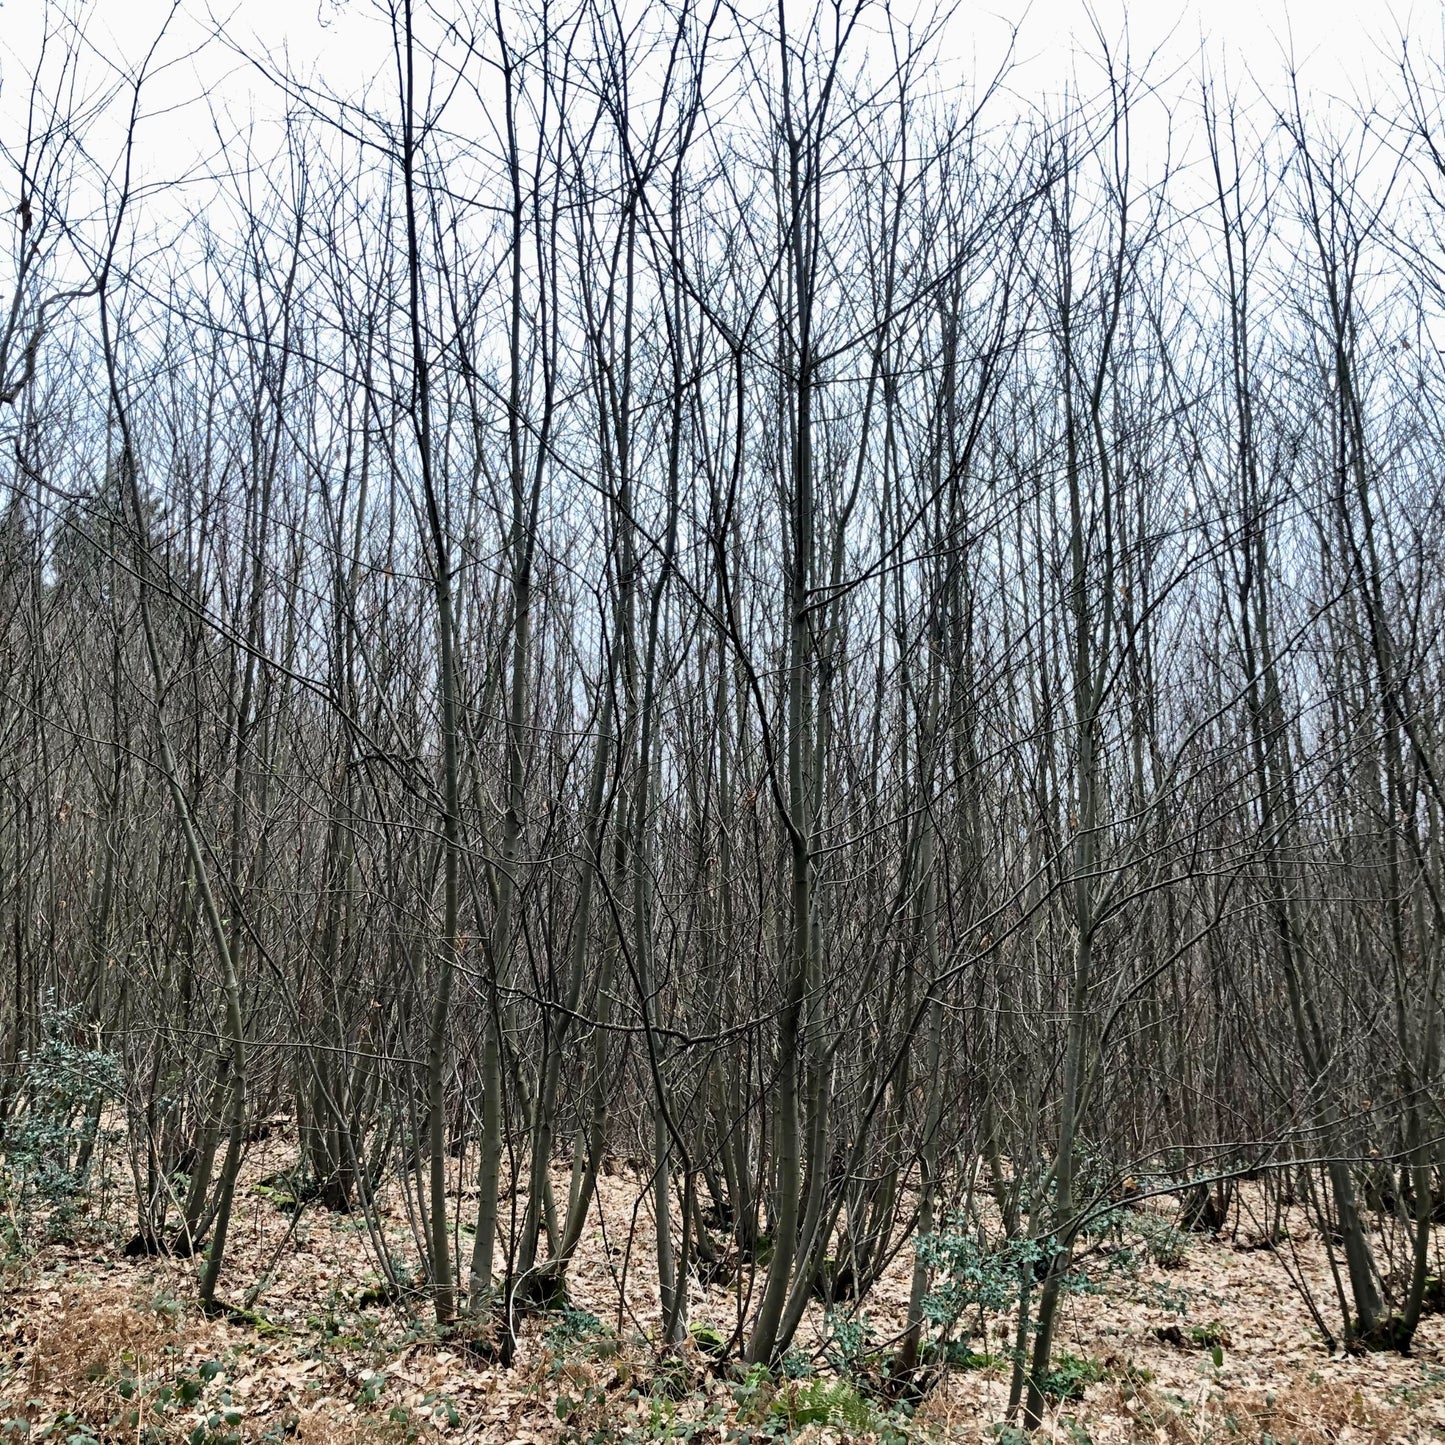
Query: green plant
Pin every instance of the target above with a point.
(825, 1402)
(1104, 1223)
(149, 1406)
(442, 1409)
(1429, 1380)
(672, 1379)
(795, 1365)
(957, 1353)
(1211, 1336)
(572, 1327)
(1170, 1298)
(754, 1393)
(849, 1339)
(1164, 1243)
(46, 1144)
(1070, 1376)
(968, 1274)
(1007, 1433)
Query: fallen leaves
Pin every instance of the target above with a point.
(1218, 1348)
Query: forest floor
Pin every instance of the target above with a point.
(96, 1346)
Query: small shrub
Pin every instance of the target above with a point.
(957, 1353)
(1070, 1376)
(849, 1340)
(1212, 1336)
(754, 1394)
(46, 1143)
(572, 1327)
(970, 1275)
(1007, 1433)
(1164, 1243)
(795, 1365)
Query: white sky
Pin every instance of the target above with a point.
(1345, 50)
(1344, 47)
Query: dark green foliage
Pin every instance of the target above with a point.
(46, 1143)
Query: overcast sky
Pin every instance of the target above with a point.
(1344, 47)
(1345, 50)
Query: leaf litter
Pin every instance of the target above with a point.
(98, 1347)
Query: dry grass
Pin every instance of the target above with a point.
(1308, 1413)
(85, 1342)
(128, 1370)
(1321, 1414)
(84, 1351)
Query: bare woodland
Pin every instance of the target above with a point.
(675, 596)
